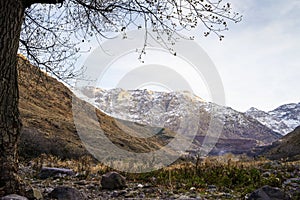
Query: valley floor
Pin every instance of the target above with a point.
(211, 178)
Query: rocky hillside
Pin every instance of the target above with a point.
(186, 114)
(288, 147)
(283, 119)
(48, 124)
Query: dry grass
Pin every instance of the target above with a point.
(227, 173)
(48, 124)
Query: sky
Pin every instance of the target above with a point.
(258, 61)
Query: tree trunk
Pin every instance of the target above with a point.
(11, 19)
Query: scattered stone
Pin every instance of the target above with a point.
(147, 185)
(292, 186)
(47, 172)
(211, 188)
(275, 164)
(293, 182)
(192, 195)
(266, 174)
(152, 190)
(118, 193)
(112, 181)
(267, 192)
(81, 182)
(13, 197)
(131, 194)
(227, 195)
(67, 193)
(183, 197)
(34, 194)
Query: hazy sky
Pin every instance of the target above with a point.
(259, 59)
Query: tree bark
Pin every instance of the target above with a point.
(11, 19)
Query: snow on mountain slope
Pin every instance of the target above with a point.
(283, 119)
(272, 122)
(289, 114)
(181, 112)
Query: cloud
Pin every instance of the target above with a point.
(259, 58)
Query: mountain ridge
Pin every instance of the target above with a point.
(46, 113)
(288, 147)
(283, 119)
(183, 113)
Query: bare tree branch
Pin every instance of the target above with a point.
(52, 34)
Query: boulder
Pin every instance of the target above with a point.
(112, 181)
(67, 193)
(13, 197)
(268, 193)
(47, 172)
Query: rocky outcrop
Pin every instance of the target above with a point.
(288, 147)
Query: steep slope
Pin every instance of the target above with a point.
(272, 122)
(289, 114)
(184, 113)
(48, 124)
(288, 147)
(283, 119)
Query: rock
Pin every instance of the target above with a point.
(118, 193)
(131, 194)
(47, 172)
(34, 194)
(212, 188)
(13, 197)
(227, 196)
(295, 182)
(112, 181)
(183, 196)
(292, 186)
(266, 174)
(267, 193)
(67, 193)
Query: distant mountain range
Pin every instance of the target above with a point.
(283, 119)
(48, 120)
(47, 113)
(185, 113)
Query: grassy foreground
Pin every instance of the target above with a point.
(229, 174)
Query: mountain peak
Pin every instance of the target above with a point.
(283, 119)
(187, 114)
(252, 109)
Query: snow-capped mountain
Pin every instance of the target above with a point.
(289, 113)
(184, 113)
(283, 119)
(272, 122)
